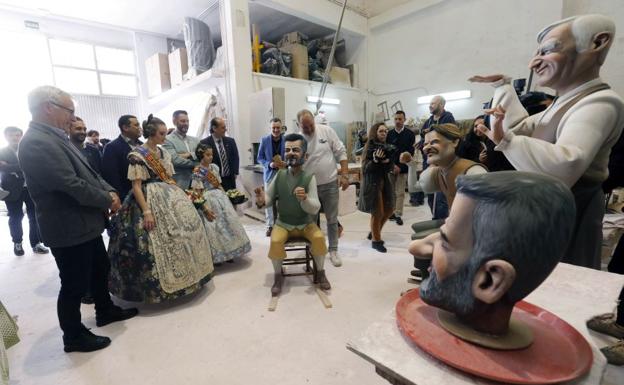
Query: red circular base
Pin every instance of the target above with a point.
(559, 353)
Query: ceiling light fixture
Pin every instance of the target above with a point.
(314, 99)
(448, 96)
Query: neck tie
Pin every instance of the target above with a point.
(225, 167)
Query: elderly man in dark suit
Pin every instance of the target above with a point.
(226, 153)
(72, 202)
(115, 158)
(13, 181)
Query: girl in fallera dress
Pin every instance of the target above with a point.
(158, 247)
(224, 230)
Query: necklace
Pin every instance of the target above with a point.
(155, 152)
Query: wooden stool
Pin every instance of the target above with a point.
(299, 244)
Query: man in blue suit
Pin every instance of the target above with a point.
(225, 153)
(115, 158)
(271, 145)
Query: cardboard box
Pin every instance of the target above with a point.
(340, 76)
(178, 66)
(355, 74)
(292, 38)
(157, 71)
(299, 54)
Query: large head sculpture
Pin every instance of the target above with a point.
(441, 141)
(505, 234)
(571, 51)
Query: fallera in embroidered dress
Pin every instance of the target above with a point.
(226, 234)
(169, 261)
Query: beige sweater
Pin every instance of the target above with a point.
(580, 145)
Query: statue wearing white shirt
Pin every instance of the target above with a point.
(572, 139)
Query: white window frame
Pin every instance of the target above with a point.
(96, 70)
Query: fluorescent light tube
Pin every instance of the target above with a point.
(314, 99)
(455, 95)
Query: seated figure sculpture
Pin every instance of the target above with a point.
(297, 208)
(505, 234)
(440, 146)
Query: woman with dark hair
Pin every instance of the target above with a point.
(376, 190)
(158, 247)
(225, 233)
(473, 144)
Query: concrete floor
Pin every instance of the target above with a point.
(223, 334)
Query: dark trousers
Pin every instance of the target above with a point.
(616, 265)
(441, 209)
(16, 214)
(81, 266)
(417, 198)
(620, 309)
(228, 182)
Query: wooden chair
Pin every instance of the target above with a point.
(297, 245)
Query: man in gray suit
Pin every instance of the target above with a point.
(182, 149)
(72, 202)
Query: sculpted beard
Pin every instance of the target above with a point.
(454, 293)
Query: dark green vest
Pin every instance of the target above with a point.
(288, 206)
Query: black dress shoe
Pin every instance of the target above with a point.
(115, 314)
(18, 249)
(392, 217)
(399, 221)
(369, 236)
(85, 342)
(379, 246)
(269, 231)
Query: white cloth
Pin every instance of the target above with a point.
(579, 147)
(324, 150)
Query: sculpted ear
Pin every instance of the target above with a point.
(493, 280)
(601, 41)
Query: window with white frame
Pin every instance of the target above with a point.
(92, 69)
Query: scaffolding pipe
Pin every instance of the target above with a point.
(330, 62)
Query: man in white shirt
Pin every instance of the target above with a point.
(572, 139)
(324, 150)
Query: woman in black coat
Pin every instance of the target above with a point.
(376, 190)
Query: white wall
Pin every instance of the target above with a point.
(436, 49)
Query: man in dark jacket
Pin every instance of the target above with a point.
(72, 202)
(115, 159)
(77, 136)
(226, 153)
(437, 202)
(403, 139)
(13, 181)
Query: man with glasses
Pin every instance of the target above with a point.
(72, 202)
